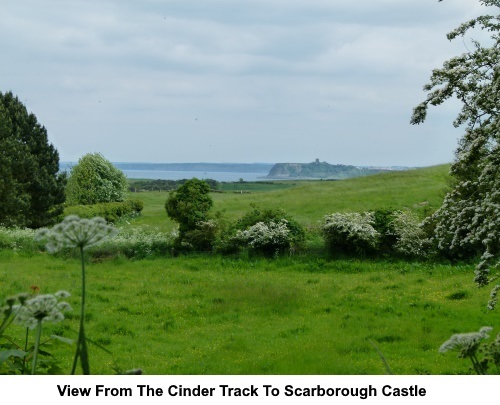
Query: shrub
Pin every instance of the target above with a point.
(203, 236)
(135, 244)
(267, 231)
(189, 206)
(382, 224)
(94, 180)
(111, 211)
(410, 237)
(351, 232)
(268, 238)
(18, 239)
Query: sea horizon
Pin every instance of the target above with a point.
(223, 172)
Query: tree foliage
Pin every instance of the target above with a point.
(469, 219)
(95, 180)
(189, 206)
(31, 188)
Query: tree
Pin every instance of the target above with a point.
(189, 206)
(469, 219)
(31, 187)
(94, 180)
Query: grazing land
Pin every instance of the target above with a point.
(420, 190)
(302, 314)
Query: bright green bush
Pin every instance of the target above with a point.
(189, 206)
(95, 180)
(111, 211)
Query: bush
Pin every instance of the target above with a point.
(95, 180)
(111, 211)
(351, 232)
(189, 206)
(18, 239)
(410, 237)
(135, 244)
(382, 224)
(267, 238)
(266, 231)
(202, 237)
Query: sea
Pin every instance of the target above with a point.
(179, 175)
(222, 172)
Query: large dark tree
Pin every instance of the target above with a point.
(189, 206)
(31, 187)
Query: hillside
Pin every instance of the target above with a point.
(317, 170)
(421, 190)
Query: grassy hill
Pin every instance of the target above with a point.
(421, 190)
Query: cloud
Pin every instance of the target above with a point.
(227, 80)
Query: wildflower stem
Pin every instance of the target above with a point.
(25, 349)
(81, 347)
(37, 346)
(477, 365)
(6, 322)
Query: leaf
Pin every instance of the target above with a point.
(5, 354)
(62, 339)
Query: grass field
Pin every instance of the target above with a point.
(209, 315)
(308, 202)
(306, 314)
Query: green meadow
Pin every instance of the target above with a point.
(420, 190)
(301, 314)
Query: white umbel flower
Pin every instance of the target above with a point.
(75, 232)
(42, 308)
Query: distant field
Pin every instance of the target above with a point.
(420, 190)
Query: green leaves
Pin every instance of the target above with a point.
(31, 189)
(189, 206)
(468, 224)
(6, 354)
(95, 180)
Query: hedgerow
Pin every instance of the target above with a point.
(111, 211)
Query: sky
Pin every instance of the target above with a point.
(233, 81)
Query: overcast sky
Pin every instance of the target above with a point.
(234, 80)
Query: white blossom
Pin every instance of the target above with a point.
(465, 343)
(75, 232)
(265, 235)
(353, 230)
(42, 308)
(468, 222)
